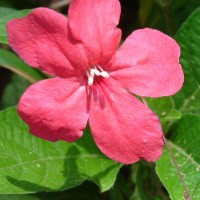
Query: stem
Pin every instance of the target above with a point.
(186, 192)
(60, 4)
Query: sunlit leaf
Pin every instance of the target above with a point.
(30, 164)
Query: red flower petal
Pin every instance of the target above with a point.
(55, 109)
(93, 22)
(124, 128)
(148, 64)
(41, 39)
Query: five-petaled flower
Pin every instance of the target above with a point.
(94, 81)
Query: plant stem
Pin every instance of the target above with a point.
(60, 4)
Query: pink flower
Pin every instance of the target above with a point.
(95, 80)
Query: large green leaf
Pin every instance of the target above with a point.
(29, 164)
(12, 62)
(185, 146)
(185, 133)
(6, 18)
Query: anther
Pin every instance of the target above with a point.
(105, 74)
(96, 70)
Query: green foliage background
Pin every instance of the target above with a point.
(31, 168)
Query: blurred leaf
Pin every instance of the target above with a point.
(147, 184)
(149, 13)
(5, 19)
(181, 9)
(166, 15)
(30, 164)
(139, 175)
(185, 133)
(12, 62)
(185, 147)
(6, 11)
(13, 91)
(19, 197)
(153, 15)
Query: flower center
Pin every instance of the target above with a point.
(95, 70)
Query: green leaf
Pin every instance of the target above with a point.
(6, 11)
(30, 164)
(14, 89)
(19, 197)
(164, 108)
(12, 62)
(185, 146)
(187, 101)
(161, 106)
(5, 19)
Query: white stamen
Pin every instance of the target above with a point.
(90, 80)
(92, 72)
(96, 70)
(105, 74)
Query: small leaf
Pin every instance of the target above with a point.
(30, 164)
(164, 108)
(4, 20)
(161, 106)
(12, 62)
